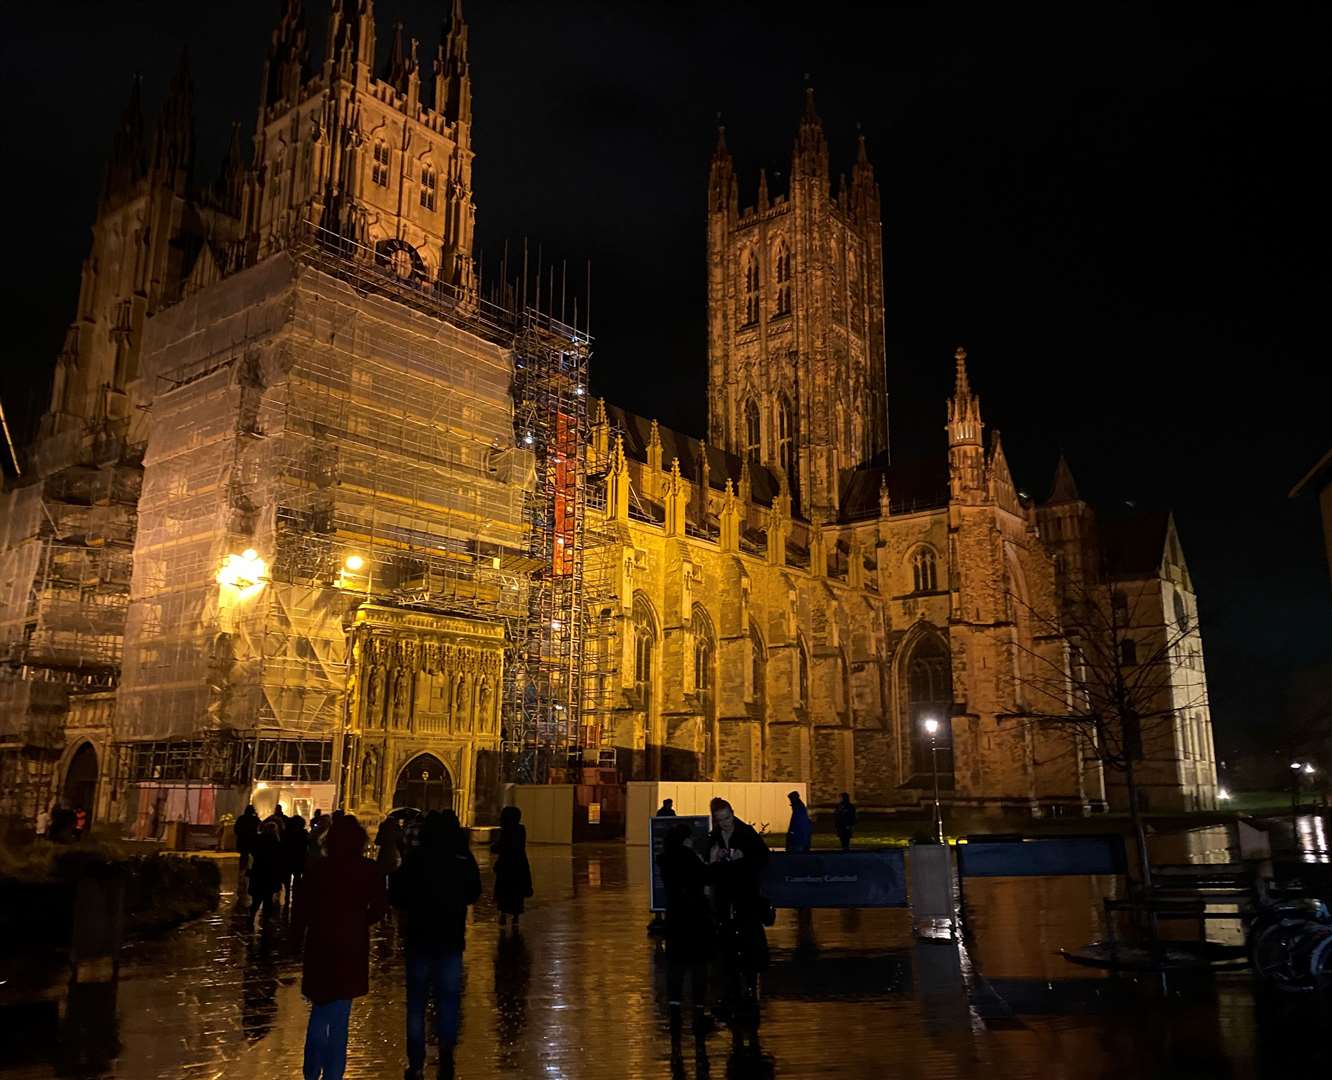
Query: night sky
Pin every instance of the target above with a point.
(1122, 213)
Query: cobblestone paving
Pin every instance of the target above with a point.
(580, 994)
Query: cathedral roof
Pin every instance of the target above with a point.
(919, 484)
(675, 445)
(1133, 542)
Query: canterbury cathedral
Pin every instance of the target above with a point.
(273, 540)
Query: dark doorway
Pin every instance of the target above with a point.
(424, 783)
(81, 780)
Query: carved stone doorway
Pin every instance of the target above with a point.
(424, 784)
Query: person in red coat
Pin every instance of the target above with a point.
(339, 899)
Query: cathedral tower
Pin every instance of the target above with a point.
(363, 153)
(796, 377)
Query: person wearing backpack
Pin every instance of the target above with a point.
(433, 889)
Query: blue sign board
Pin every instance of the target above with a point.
(699, 827)
(1066, 855)
(836, 879)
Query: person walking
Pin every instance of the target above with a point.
(433, 889)
(343, 897)
(844, 820)
(667, 808)
(513, 873)
(246, 831)
(295, 848)
(265, 871)
(690, 935)
(738, 855)
(800, 832)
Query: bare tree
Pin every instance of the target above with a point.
(1113, 687)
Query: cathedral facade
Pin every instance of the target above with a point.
(272, 540)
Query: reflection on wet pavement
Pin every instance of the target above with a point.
(580, 993)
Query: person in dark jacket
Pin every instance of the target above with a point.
(246, 831)
(513, 873)
(844, 820)
(433, 889)
(667, 808)
(389, 841)
(265, 871)
(800, 833)
(690, 936)
(737, 856)
(341, 899)
(295, 842)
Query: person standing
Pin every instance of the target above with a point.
(690, 935)
(513, 873)
(295, 845)
(389, 842)
(738, 855)
(343, 897)
(246, 831)
(278, 818)
(667, 808)
(800, 833)
(43, 822)
(844, 820)
(436, 884)
(265, 871)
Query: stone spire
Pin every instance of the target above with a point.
(399, 68)
(173, 145)
(1064, 490)
(287, 66)
(723, 194)
(127, 164)
(351, 39)
(966, 457)
(763, 190)
(229, 187)
(453, 75)
(810, 158)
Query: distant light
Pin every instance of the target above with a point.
(580, 391)
(931, 726)
(1222, 794)
(261, 786)
(249, 553)
(1297, 765)
(245, 573)
(555, 624)
(354, 562)
(1309, 769)
(528, 438)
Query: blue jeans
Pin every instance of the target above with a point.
(440, 971)
(326, 1040)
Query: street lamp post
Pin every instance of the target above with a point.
(932, 729)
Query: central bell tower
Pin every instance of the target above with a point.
(796, 363)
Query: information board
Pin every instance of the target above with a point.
(658, 827)
(836, 879)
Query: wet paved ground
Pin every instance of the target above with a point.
(580, 994)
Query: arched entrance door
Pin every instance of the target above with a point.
(81, 780)
(425, 784)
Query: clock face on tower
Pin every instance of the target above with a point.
(401, 259)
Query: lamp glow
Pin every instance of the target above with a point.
(354, 562)
(246, 573)
(1297, 765)
(931, 726)
(1309, 770)
(1222, 794)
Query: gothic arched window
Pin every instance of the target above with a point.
(1181, 614)
(380, 169)
(924, 572)
(929, 696)
(705, 649)
(758, 661)
(853, 288)
(429, 186)
(802, 680)
(645, 640)
(1128, 652)
(785, 437)
(781, 264)
(751, 289)
(753, 432)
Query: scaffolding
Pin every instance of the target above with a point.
(65, 543)
(361, 438)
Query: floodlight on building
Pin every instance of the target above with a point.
(1222, 794)
(353, 563)
(931, 726)
(245, 573)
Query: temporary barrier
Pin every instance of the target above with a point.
(836, 879)
(760, 804)
(1066, 855)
